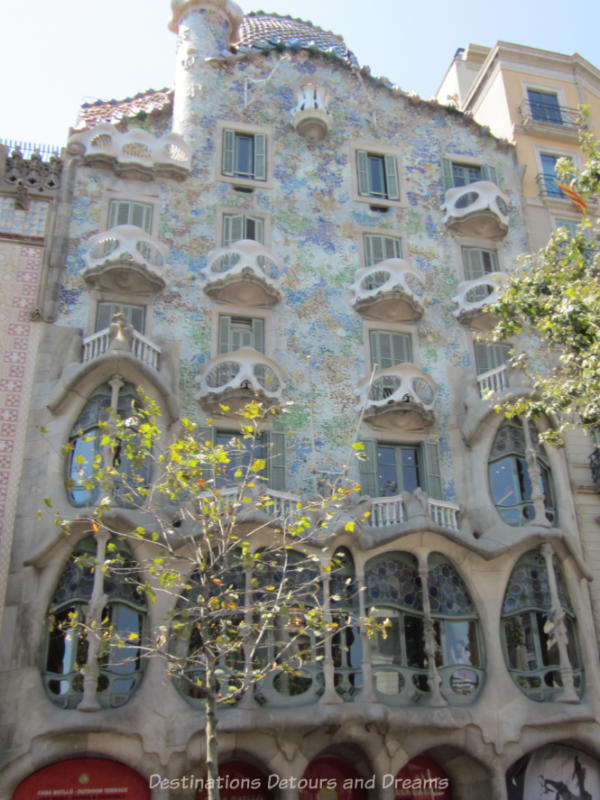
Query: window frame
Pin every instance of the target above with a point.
(273, 443)
(368, 233)
(263, 220)
(149, 210)
(447, 163)
(540, 152)
(226, 128)
(391, 157)
(238, 312)
(428, 466)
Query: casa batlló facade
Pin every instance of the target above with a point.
(283, 226)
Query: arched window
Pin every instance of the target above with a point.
(85, 447)
(459, 652)
(513, 478)
(346, 644)
(119, 668)
(536, 615)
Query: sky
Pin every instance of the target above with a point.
(57, 54)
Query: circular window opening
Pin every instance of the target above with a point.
(467, 199)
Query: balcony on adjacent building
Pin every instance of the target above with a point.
(477, 209)
(136, 154)
(390, 291)
(475, 296)
(399, 398)
(311, 118)
(549, 119)
(243, 273)
(125, 259)
(234, 379)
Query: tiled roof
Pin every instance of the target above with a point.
(260, 30)
(113, 111)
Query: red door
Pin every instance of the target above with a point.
(77, 778)
(332, 779)
(422, 779)
(240, 780)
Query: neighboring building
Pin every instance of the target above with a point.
(281, 225)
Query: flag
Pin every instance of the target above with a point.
(573, 196)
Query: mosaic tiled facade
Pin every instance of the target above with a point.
(284, 224)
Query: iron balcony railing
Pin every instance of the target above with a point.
(27, 149)
(549, 113)
(548, 186)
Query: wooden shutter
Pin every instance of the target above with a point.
(447, 174)
(275, 456)
(474, 262)
(259, 230)
(391, 177)
(433, 477)
(233, 229)
(260, 157)
(227, 156)
(362, 172)
(389, 348)
(367, 468)
(224, 335)
(258, 334)
(489, 356)
(488, 173)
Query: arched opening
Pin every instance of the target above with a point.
(80, 778)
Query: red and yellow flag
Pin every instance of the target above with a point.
(573, 196)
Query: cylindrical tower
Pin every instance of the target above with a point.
(206, 29)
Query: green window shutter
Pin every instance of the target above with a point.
(391, 177)
(258, 334)
(393, 247)
(489, 174)
(140, 215)
(371, 250)
(447, 176)
(259, 230)
(401, 348)
(362, 172)
(431, 457)
(276, 460)
(389, 348)
(227, 157)
(260, 157)
(137, 317)
(489, 356)
(224, 336)
(233, 229)
(206, 435)
(367, 468)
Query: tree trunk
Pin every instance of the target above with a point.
(210, 731)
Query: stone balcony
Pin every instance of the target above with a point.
(234, 379)
(475, 296)
(401, 398)
(125, 258)
(311, 119)
(243, 273)
(478, 209)
(386, 512)
(135, 154)
(390, 291)
(120, 336)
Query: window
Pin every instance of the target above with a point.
(268, 445)
(389, 469)
(84, 448)
(548, 177)
(570, 224)
(244, 155)
(377, 175)
(458, 173)
(120, 666)
(478, 262)
(130, 212)
(510, 476)
(237, 332)
(378, 247)
(242, 226)
(389, 348)
(135, 315)
(544, 106)
(530, 614)
(346, 644)
(490, 355)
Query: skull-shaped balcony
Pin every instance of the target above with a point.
(390, 291)
(478, 209)
(234, 379)
(135, 154)
(311, 118)
(399, 398)
(475, 296)
(243, 273)
(125, 259)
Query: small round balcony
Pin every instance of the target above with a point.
(475, 296)
(399, 398)
(243, 273)
(478, 209)
(390, 291)
(311, 118)
(125, 259)
(234, 379)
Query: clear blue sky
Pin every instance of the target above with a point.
(57, 54)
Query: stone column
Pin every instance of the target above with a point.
(93, 622)
(430, 645)
(568, 695)
(368, 693)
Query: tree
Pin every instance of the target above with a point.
(556, 295)
(245, 572)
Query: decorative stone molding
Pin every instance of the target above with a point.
(391, 291)
(234, 14)
(135, 154)
(401, 397)
(31, 175)
(478, 209)
(243, 273)
(474, 296)
(235, 378)
(125, 258)
(311, 118)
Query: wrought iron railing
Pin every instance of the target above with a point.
(27, 149)
(548, 185)
(549, 113)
